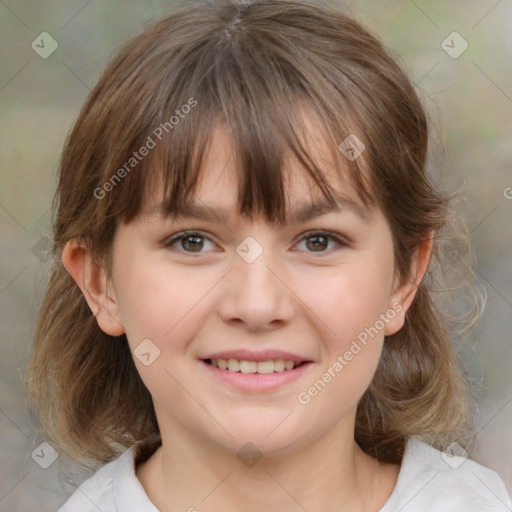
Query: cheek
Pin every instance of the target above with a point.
(349, 300)
(162, 311)
(351, 307)
(145, 304)
(163, 303)
(353, 336)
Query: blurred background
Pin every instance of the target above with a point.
(465, 79)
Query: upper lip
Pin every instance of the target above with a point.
(250, 355)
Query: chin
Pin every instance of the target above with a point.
(268, 437)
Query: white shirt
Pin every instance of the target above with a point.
(426, 483)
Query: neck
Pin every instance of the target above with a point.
(332, 473)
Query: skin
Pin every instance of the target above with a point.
(313, 303)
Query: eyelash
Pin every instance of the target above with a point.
(310, 234)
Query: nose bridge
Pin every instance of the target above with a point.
(253, 276)
(256, 275)
(256, 294)
(254, 256)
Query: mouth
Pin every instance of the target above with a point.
(255, 371)
(255, 367)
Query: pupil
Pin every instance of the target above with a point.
(196, 244)
(316, 244)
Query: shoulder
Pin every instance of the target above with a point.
(97, 491)
(433, 480)
(113, 488)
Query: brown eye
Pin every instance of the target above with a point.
(319, 242)
(191, 242)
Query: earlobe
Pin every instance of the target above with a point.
(94, 283)
(404, 294)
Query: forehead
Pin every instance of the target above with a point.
(216, 194)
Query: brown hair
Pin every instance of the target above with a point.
(254, 68)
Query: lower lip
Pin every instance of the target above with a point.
(255, 381)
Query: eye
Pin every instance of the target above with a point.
(318, 241)
(188, 241)
(195, 241)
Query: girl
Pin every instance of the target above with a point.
(241, 317)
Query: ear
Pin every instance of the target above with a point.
(95, 285)
(405, 292)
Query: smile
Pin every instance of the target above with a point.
(260, 367)
(255, 376)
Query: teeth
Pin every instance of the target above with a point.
(234, 365)
(279, 365)
(265, 367)
(248, 366)
(261, 367)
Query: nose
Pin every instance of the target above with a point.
(257, 295)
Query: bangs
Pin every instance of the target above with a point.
(249, 85)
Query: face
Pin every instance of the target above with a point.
(317, 294)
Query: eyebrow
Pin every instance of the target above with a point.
(297, 215)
